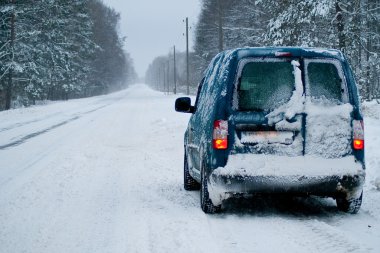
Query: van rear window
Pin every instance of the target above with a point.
(265, 86)
(324, 81)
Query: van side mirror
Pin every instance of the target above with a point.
(183, 104)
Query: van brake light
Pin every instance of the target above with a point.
(283, 54)
(220, 134)
(358, 134)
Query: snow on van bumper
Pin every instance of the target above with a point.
(250, 173)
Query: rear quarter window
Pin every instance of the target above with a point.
(325, 80)
(264, 85)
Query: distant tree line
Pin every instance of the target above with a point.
(58, 49)
(352, 26)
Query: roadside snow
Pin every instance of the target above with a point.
(371, 111)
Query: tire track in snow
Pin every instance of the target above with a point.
(329, 239)
(25, 123)
(35, 134)
(278, 233)
(52, 115)
(293, 225)
(48, 129)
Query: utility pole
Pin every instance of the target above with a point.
(159, 77)
(164, 76)
(175, 76)
(168, 77)
(187, 56)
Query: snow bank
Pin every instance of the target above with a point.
(377, 183)
(371, 109)
(371, 112)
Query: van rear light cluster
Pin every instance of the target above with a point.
(220, 134)
(358, 134)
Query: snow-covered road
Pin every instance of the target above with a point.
(104, 174)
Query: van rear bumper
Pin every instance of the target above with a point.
(264, 177)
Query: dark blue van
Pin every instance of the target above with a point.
(275, 120)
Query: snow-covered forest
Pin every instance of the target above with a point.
(352, 26)
(58, 49)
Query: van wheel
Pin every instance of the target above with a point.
(189, 183)
(349, 206)
(206, 204)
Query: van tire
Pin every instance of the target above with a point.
(351, 206)
(206, 203)
(189, 183)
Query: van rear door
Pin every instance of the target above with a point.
(262, 124)
(329, 113)
(292, 107)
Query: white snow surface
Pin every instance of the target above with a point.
(105, 174)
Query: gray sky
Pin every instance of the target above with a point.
(152, 27)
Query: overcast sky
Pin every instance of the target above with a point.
(153, 27)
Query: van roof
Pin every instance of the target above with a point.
(287, 52)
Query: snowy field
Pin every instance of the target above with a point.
(104, 174)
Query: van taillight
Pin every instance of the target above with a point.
(358, 134)
(220, 134)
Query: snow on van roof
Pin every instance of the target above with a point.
(332, 52)
(294, 51)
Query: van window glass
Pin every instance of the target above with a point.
(199, 92)
(265, 86)
(324, 81)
